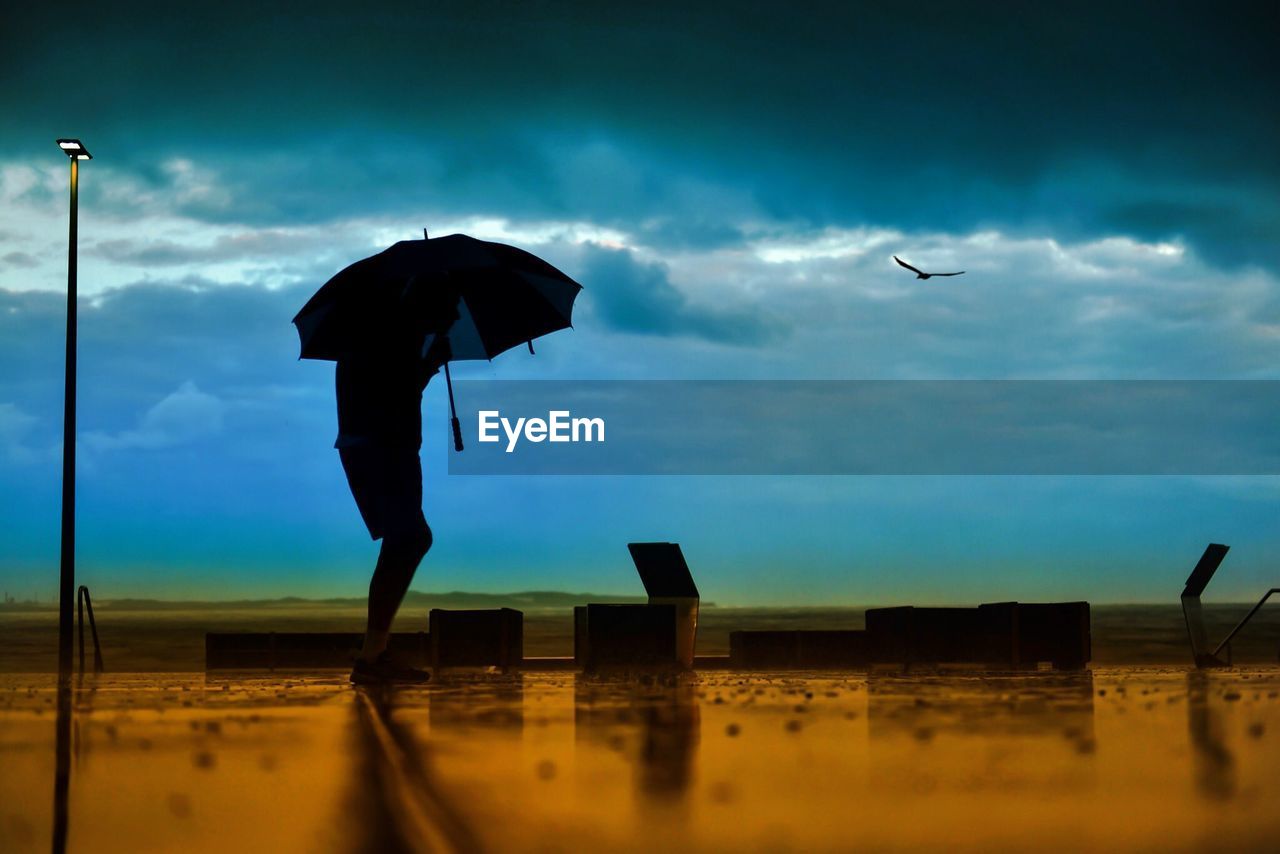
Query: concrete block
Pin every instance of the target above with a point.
(476, 638)
(1057, 632)
(626, 636)
(948, 635)
(889, 635)
(1008, 634)
(668, 581)
(909, 635)
(999, 622)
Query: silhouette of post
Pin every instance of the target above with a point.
(67, 584)
(62, 768)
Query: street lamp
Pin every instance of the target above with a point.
(75, 151)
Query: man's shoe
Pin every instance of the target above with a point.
(384, 669)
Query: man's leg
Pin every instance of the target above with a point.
(402, 551)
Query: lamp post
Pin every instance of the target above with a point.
(76, 152)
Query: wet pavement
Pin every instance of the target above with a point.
(1118, 758)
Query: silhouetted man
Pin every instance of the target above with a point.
(379, 392)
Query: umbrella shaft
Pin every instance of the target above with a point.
(453, 412)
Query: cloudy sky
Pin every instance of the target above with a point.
(728, 182)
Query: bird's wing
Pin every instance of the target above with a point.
(961, 273)
(902, 263)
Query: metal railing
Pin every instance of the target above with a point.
(1226, 642)
(84, 601)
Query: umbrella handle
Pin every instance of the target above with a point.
(453, 412)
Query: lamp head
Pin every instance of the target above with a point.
(74, 149)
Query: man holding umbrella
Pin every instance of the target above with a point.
(379, 392)
(391, 321)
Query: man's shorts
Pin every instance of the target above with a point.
(387, 485)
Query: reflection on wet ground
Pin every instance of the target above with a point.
(1116, 758)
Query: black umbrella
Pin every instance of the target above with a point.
(505, 297)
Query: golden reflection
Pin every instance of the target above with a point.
(1119, 758)
(1214, 764)
(653, 720)
(62, 768)
(404, 806)
(459, 702)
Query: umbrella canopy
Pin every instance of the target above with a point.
(482, 297)
(506, 297)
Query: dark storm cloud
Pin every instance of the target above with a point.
(917, 115)
(692, 233)
(1227, 232)
(235, 247)
(23, 260)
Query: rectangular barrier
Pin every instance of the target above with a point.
(936, 635)
(477, 638)
(1056, 632)
(625, 636)
(1004, 634)
(1008, 634)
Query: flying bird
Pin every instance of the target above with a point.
(920, 274)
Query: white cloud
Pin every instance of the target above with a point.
(184, 416)
(131, 231)
(1029, 304)
(196, 186)
(830, 243)
(531, 233)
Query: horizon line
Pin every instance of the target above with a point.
(420, 597)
